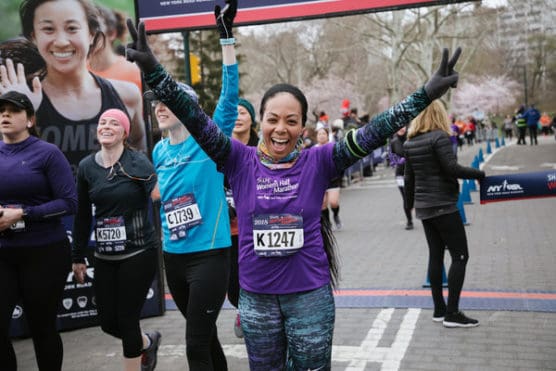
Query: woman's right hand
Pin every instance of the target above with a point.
(79, 271)
(139, 51)
(16, 81)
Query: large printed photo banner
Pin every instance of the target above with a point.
(175, 15)
(78, 307)
(518, 186)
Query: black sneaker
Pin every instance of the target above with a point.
(409, 226)
(458, 319)
(438, 316)
(148, 359)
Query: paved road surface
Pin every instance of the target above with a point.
(383, 317)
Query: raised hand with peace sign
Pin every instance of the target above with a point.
(445, 77)
(138, 50)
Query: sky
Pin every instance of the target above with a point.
(494, 3)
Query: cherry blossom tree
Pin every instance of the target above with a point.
(489, 94)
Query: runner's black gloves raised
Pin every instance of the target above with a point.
(225, 18)
(138, 50)
(445, 77)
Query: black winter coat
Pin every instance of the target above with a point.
(432, 171)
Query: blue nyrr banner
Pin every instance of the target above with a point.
(518, 186)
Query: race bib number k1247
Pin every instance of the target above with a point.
(277, 234)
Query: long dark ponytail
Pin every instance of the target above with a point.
(330, 247)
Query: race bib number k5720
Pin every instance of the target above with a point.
(110, 234)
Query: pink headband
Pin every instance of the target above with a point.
(118, 115)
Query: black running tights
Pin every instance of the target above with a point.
(198, 283)
(37, 276)
(406, 210)
(121, 287)
(446, 231)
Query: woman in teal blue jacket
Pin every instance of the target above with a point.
(194, 214)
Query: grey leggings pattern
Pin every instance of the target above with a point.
(290, 331)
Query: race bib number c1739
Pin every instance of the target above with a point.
(277, 234)
(181, 213)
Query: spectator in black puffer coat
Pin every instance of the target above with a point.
(431, 185)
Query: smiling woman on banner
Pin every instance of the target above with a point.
(286, 267)
(36, 190)
(68, 99)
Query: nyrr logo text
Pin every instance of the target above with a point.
(505, 188)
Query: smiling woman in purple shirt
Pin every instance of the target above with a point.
(286, 303)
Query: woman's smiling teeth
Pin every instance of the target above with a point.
(62, 54)
(279, 145)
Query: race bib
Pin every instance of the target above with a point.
(400, 181)
(277, 234)
(181, 214)
(110, 234)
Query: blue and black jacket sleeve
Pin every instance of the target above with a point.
(358, 143)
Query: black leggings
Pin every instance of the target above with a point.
(522, 131)
(446, 231)
(406, 210)
(198, 284)
(533, 135)
(121, 287)
(37, 276)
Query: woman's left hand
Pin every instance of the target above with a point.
(445, 77)
(13, 80)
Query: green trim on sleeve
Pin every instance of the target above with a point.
(352, 145)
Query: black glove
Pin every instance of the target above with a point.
(445, 77)
(138, 51)
(225, 18)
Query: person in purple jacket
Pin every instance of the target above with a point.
(36, 190)
(286, 267)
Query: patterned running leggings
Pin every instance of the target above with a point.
(290, 331)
